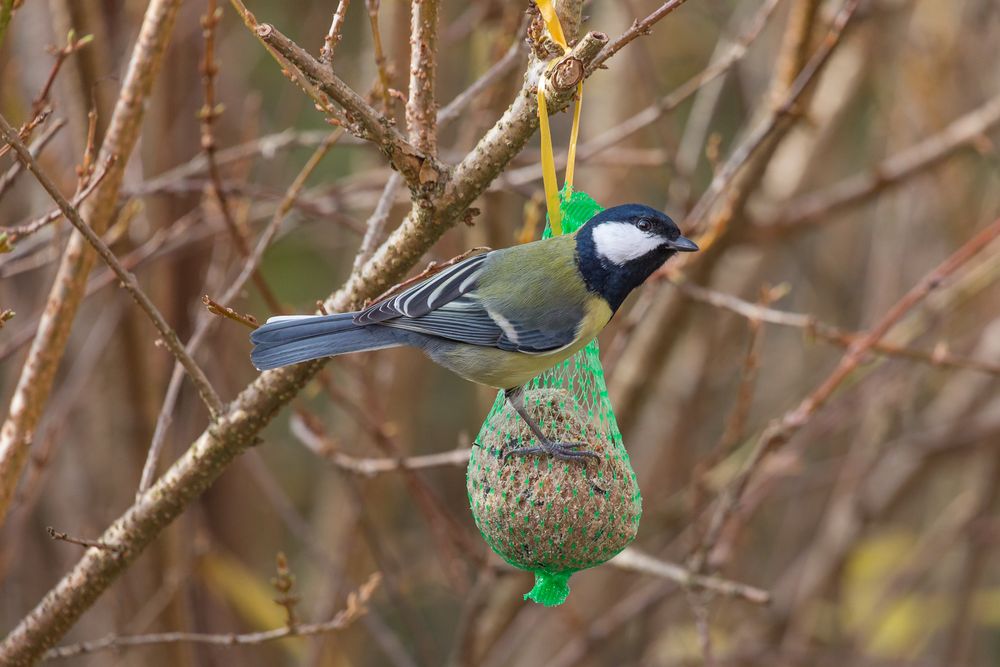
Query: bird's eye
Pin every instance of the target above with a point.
(644, 225)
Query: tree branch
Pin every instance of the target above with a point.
(827, 332)
(814, 208)
(11, 235)
(421, 108)
(250, 265)
(333, 36)
(633, 560)
(370, 467)
(637, 29)
(128, 280)
(362, 120)
(354, 609)
(38, 373)
(37, 146)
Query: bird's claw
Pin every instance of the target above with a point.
(564, 451)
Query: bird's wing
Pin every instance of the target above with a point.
(467, 320)
(450, 305)
(428, 295)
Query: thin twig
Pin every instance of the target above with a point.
(449, 537)
(736, 422)
(354, 609)
(210, 111)
(36, 148)
(633, 560)
(164, 241)
(40, 108)
(269, 145)
(496, 71)
(637, 29)
(61, 55)
(363, 121)
(217, 308)
(333, 36)
(815, 328)
(741, 156)
(373, 7)
(85, 170)
(169, 337)
(732, 55)
(376, 223)
(721, 202)
(283, 583)
(15, 234)
(63, 537)
(370, 467)
(628, 127)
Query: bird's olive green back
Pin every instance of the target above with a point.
(546, 273)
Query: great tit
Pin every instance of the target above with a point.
(502, 317)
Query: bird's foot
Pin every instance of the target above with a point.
(564, 451)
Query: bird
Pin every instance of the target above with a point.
(502, 317)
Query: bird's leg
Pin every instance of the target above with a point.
(567, 451)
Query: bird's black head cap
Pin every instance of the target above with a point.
(621, 246)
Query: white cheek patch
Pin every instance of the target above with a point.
(621, 242)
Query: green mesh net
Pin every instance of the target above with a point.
(548, 516)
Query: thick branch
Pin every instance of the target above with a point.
(421, 108)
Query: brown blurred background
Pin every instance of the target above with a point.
(875, 528)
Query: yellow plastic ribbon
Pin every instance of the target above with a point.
(549, 178)
(548, 164)
(552, 24)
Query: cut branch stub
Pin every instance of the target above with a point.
(569, 71)
(567, 74)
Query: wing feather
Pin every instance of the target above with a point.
(428, 295)
(468, 321)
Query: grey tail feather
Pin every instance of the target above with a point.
(285, 341)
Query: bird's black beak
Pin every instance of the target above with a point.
(682, 244)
